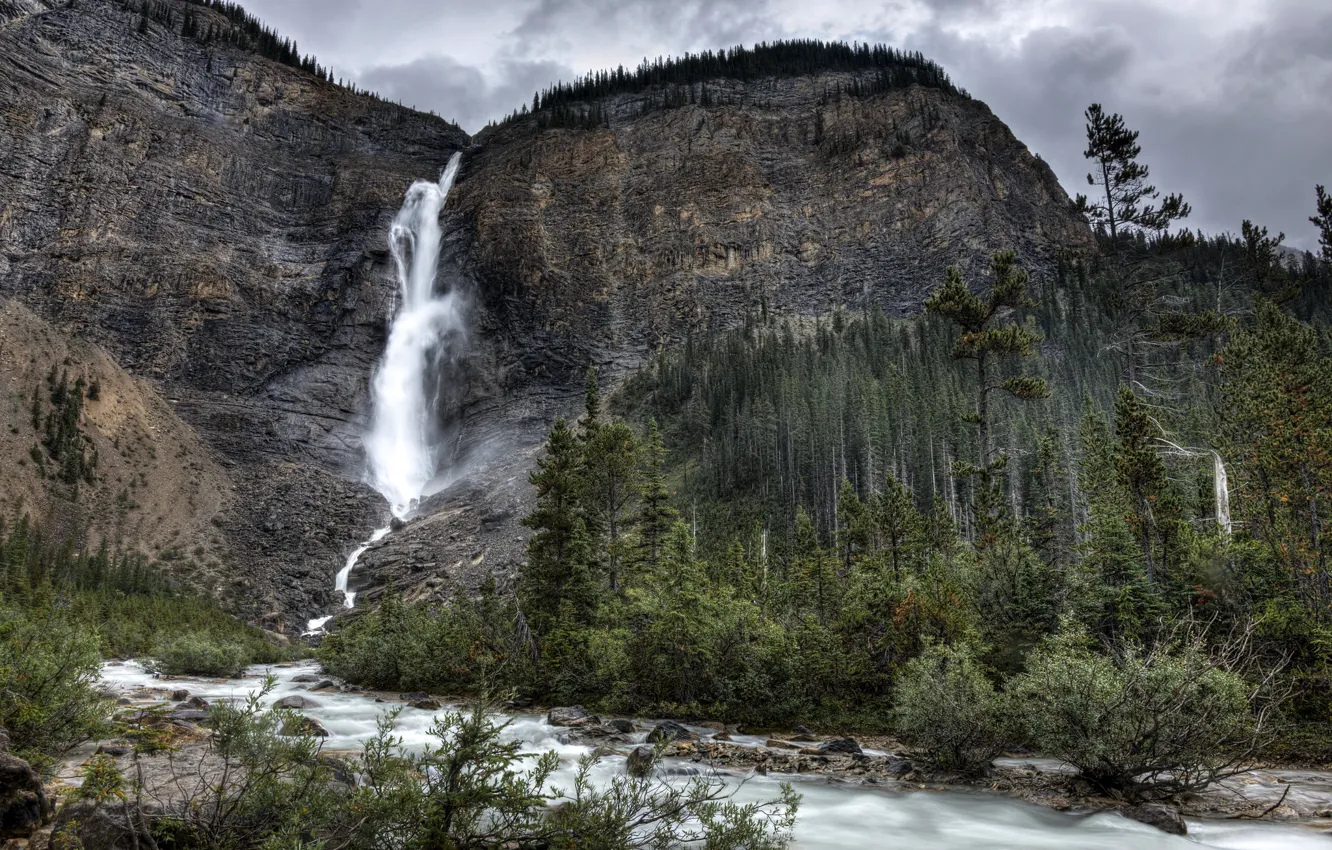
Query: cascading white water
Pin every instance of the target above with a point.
(402, 446)
(1222, 486)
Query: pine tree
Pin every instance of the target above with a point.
(1115, 150)
(986, 339)
(898, 523)
(609, 473)
(1268, 276)
(559, 552)
(1323, 221)
(655, 514)
(1141, 472)
(854, 526)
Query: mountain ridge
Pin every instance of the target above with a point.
(216, 222)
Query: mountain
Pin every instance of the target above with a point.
(206, 227)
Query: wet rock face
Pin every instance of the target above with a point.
(217, 223)
(1164, 817)
(617, 240)
(24, 805)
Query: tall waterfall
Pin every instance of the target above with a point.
(403, 444)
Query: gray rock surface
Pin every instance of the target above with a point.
(295, 701)
(669, 731)
(216, 223)
(24, 804)
(1160, 815)
(573, 715)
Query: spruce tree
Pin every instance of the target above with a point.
(1123, 180)
(655, 514)
(898, 524)
(559, 552)
(1141, 472)
(609, 473)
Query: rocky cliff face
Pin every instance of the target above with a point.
(214, 224)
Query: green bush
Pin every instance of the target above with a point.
(946, 705)
(201, 655)
(49, 701)
(1137, 722)
(466, 646)
(258, 788)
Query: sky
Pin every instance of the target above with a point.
(1233, 98)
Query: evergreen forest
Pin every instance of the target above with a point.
(836, 519)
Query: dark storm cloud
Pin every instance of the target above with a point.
(1231, 98)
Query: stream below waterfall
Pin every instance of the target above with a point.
(833, 814)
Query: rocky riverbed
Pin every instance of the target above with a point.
(851, 799)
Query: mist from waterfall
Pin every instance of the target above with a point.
(402, 446)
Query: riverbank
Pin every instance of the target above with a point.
(850, 800)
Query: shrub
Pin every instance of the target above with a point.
(1137, 722)
(257, 788)
(947, 705)
(473, 790)
(49, 699)
(468, 645)
(201, 655)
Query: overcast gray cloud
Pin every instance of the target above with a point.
(1231, 96)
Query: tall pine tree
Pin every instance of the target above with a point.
(1114, 148)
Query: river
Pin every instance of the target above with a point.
(833, 815)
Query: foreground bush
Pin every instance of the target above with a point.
(255, 788)
(465, 645)
(49, 701)
(946, 705)
(202, 655)
(1137, 722)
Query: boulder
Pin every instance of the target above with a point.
(180, 695)
(639, 763)
(803, 732)
(305, 678)
(572, 715)
(425, 704)
(83, 823)
(24, 806)
(1160, 815)
(670, 731)
(898, 766)
(295, 701)
(329, 685)
(840, 746)
(188, 715)
(779, 744)
(619, 725)
(298, 726)
(193, 704)
(115, 750)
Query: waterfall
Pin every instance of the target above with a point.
(402, 447)
(1222, 484)
(403, 442)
